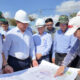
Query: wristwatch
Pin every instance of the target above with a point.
(4, 66)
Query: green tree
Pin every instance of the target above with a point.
(72, 15)
(12, 22)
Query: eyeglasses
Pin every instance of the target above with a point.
(63, 24)
(49, 25)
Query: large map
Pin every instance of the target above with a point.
(45, 71)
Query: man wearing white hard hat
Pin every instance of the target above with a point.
(43, 41)
(74, 28)
(20, 17)
(19, 46)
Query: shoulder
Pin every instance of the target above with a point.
(48, 34)
(58, 32)
(28, 32)
(10, 33)
(30, 29)
(35, 36)
(12, 30)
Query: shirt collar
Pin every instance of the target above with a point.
(43, 33)
(51, 31)
(18, 30)
(62, 31)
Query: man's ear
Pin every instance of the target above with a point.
(27, 24)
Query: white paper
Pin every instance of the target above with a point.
(45, 71)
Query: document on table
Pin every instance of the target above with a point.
(45, 71)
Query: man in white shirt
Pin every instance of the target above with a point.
(43, 41)
(19, 45)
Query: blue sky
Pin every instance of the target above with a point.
(31, 6)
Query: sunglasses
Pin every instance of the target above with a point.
(63, 24)
(49, 25)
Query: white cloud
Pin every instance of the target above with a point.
(55, 18)
(68, 6)
(7, 14)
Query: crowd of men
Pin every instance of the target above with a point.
(21, 49)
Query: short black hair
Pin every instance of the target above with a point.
(78, 29)
(5, 23)
(48, 20)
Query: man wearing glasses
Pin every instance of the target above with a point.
(49, 26)
(51, 30)
(42, 41)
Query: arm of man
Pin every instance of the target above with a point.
(32, 53)
(6, 47)
(65, 63)
(6, 67)
(70, 56)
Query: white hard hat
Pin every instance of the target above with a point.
(78, 14)
(39, 23)
(21, 16)
(73, 25)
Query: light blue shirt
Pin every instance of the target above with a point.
(62, 43)
(42, 43)
(18, 44)
(29, 29)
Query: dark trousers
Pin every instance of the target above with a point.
(44, 58)
(50, 53)
(59, 57)
(75, 63)
(50, 56)
(18, 64)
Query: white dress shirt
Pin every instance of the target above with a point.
(18, 44)
(42, 43)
